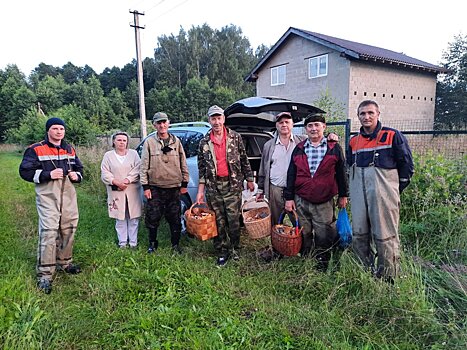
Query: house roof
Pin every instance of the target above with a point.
(352, 51)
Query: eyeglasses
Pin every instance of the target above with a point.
(159, 122)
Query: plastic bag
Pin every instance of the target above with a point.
(343, 228)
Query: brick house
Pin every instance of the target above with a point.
(303, 64)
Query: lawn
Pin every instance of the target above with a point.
(127, 299)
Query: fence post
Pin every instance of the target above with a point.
(347, 134)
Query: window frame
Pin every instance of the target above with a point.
(318, 60)
(277, 69)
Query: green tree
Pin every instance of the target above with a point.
(451, 90)
(131, 97)
(50, 93)
(79, 131)
(15, 98)
(31, 129)
(119, 118)
(334, 109)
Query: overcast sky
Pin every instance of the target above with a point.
(98, 32)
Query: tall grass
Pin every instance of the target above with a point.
(131, 300)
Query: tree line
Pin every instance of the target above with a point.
(189, 71)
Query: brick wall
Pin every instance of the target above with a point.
(400, 94)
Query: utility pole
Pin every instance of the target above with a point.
(139, 63)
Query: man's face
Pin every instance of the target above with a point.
(368, 116)
(56, 133)
(162, 127)
(315, 130)
(284, 126)
(217, 122)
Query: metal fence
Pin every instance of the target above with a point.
(423, 140)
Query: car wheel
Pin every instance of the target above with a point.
(185, 204)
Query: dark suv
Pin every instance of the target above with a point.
(254, 118)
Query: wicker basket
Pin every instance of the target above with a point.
(257, 220)
(199, 224)
(285, 239)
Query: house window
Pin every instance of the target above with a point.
(278, 75)
(318, 67)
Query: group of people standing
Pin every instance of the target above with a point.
(297, 173)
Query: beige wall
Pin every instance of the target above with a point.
(348, 81)
(294, 54)
(388, 87)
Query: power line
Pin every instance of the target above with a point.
(168, 11)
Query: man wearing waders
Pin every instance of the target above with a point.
(381, 166)
(53, 166)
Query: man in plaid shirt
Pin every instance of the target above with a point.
(316, 174)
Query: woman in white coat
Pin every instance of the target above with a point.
(120, 174)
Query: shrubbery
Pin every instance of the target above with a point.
(79, 131)
(433, 212)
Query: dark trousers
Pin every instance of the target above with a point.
(164, 202)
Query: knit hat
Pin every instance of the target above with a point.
(54, 121)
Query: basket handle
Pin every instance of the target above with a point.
(297, 225)
(253, 199)
(202, 204)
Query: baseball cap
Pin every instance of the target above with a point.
(215, 110)
(283, 115)
(159, 116)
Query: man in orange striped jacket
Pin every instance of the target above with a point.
(53, 166)
(381, 166)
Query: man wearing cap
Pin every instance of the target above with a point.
(381, 166)
(53, 166)
(223, 166)
(315, 175)
(164, 176)
(272, 175)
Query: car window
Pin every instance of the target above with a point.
(254, 144)
(191, 143)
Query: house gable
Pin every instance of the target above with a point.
(403, 86)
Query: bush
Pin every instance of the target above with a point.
(79, 131)
(434, 206)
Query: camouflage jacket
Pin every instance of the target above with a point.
(237, 161)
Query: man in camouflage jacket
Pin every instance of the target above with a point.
(223, 166)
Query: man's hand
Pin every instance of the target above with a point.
(183, 190)
(56, 174)
(333, 137)
(342, 202)
(73, 176)
(147, 194)
(290, 205)
(200, 197)
(250, 185)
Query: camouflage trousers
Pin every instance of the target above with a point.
(226, 204)
(319, 232)
(164, 202)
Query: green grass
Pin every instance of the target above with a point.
(131, 300)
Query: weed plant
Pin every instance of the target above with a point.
(127, 299)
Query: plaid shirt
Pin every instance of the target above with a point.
(315, 154)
